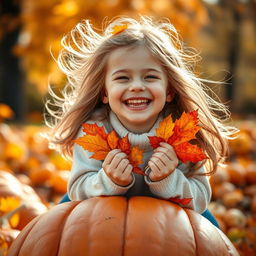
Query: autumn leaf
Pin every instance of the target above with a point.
(112, 140)
(183, 201)
(93, 129)
(7, 204)
(96, 144)
(189, 153)
(119, 28)
(178, 134)
(165, 129)
(125, 145)
(185, 128)
(135, 158)
(97, 141)
(155, 141)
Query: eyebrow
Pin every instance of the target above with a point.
(128, 70)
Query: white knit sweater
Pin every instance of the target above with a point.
(88, 179)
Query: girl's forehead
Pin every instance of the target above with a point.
(132, 57)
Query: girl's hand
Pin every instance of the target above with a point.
(163, 162)
(118, 168)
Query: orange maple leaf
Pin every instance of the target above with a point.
(112, 140)
(125, 145)
(93, 129)
(135, 158)
(99, 142)
(178, 135)
(185, 128)
(188, 152)
(96, 144)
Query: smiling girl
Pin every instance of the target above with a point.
(128, 81)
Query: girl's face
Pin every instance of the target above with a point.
(136, 87)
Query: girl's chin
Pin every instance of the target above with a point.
(138, 123)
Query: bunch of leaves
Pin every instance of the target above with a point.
(99, 142)
(178, 134)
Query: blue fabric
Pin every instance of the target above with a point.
(207, 214)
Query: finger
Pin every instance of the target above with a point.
(110, 156)
(128, 170)
(162, 157)
(117, 159)
(153, 167)
(122, 165)
(155, 172)
(158, 162)
(169, 152)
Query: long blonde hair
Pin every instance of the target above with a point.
(83, 59)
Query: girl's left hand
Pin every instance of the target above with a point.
(163, 162)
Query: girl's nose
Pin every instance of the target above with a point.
(137, 86)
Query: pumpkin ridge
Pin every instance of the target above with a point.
(125, 226)
(65, 218)
(225, 241)
(192, 227)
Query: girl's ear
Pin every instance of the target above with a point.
(104, 96)
(169, 96)
(105, 99)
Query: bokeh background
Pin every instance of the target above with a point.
(222, 31)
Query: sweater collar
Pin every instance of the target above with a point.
(140, 140)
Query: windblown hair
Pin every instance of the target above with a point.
(83, 59)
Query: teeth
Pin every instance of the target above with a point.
(136, 101)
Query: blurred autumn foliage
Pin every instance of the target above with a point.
(45, 22)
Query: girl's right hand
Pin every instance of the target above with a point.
(118, 168)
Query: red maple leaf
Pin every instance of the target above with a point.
(178, 134)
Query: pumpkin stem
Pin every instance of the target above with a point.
(4, 220)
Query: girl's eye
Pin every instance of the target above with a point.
(122, 78)
(151, 77)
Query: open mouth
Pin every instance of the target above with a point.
(137, 103)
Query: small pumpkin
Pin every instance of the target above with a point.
(242, 144)
(11, 186)
(251, 174)
(237, 173)
(117, 226)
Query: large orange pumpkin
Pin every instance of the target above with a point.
(11, 186)
(116, 226)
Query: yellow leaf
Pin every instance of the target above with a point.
(119, 28)
(165, 129)
(8, 204)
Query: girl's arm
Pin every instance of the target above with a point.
(178, 185)
(88, 179)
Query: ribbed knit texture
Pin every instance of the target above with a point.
(88, 179)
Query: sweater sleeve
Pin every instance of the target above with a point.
(177, 185)
(88, 179)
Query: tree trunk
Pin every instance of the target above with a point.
(11, 82)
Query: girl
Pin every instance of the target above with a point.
(129, 79)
